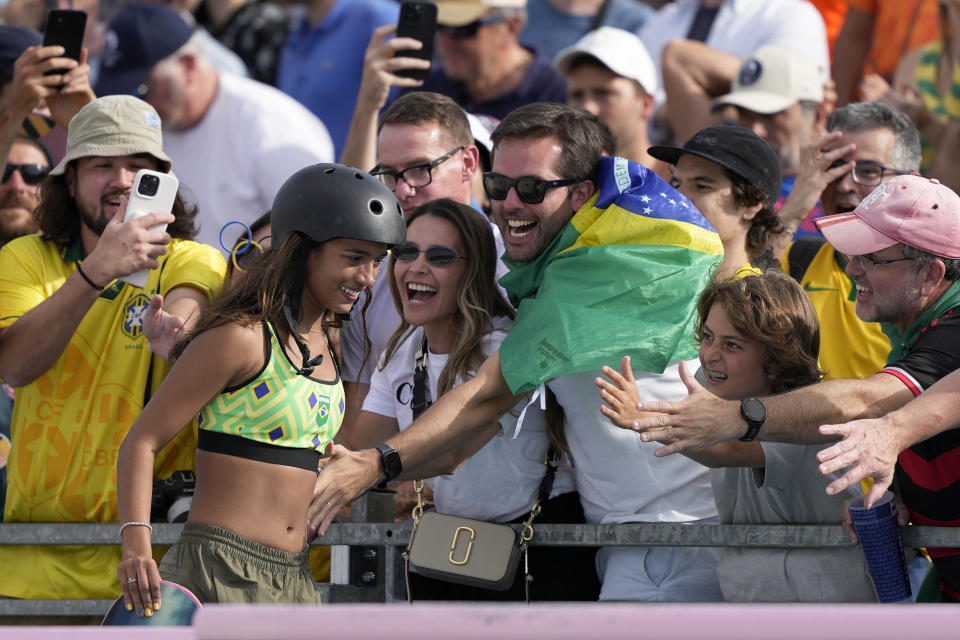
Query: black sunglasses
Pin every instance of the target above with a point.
(467, 30)
(32, 174)
(529, 190)
(436, 256)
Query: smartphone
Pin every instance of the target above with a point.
(65, 27)
(418, 20)
(153, 192)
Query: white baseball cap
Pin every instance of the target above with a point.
(620, 51)
(772, 79)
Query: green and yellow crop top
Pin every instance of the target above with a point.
(279, 416)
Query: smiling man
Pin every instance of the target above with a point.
(78, 344)
(869, 144)
(573, 223)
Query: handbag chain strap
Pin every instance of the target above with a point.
(551, 460)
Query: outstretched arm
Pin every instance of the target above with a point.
(457, 416)
(702, 420)
(870, 447)
(622, 399)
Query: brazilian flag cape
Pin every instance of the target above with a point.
(621, 278)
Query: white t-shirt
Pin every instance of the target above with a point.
(740, 28)
(382, 319)
(500, 481)
(252, 138)
(618, 477)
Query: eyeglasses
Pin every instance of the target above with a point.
(467, 30)
(32, 174)
(246, 252)
(529, 190)
(416, 176)
(868, 174)
(870, 264)
(436, 256)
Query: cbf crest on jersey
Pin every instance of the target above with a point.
(132, 326)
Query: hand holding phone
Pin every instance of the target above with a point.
(65, 28)
(418, 20)
(152, 192)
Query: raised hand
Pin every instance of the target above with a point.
(620, 395)
(380, 65)
(345, 475)
(869, 447)
(127, 247)
(162, 329)
(701, 420)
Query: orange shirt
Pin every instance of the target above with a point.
(834, 12)
(894, 23)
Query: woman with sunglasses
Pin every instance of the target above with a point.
(260, 375)
(443, 285)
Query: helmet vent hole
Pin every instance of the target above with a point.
(376, 207)
(358, 176)
(329, 171)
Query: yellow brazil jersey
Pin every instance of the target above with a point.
(68, 424)
(849, 347)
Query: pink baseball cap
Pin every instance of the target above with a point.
(916, 211)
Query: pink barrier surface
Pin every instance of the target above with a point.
(579, 622)
(97, 633)
(553, 622)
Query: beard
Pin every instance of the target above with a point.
(20, 225)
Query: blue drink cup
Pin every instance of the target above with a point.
(882, 547)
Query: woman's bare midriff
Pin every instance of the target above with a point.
(264, 502)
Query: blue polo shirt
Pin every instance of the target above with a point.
(541, 84)
(321, 66)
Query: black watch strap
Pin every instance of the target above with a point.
(390, 461)
(755, 413)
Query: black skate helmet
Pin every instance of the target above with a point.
(327, 201)
(324, 202)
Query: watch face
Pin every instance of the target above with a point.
(390, 458)
(754, 410)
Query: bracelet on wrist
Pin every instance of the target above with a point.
(87, 278)
(135, 524)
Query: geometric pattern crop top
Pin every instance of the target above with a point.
(278, 406)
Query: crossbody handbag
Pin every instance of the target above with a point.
(463, 550)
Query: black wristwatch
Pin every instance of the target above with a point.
(755, 413)
(389, 461)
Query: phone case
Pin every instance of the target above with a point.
(152, 192)
(418, 20)
(65, 27)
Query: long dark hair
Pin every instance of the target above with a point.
(479, 300)
(59, 219)
(260, 295)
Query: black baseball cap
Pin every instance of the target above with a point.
(14, 40)
(735, 148)
(139, 37)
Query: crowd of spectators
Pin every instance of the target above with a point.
(636, 176)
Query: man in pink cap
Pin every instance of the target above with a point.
(902, 244)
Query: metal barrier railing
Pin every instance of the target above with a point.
(375, 549)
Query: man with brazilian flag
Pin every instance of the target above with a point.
(606, 259)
